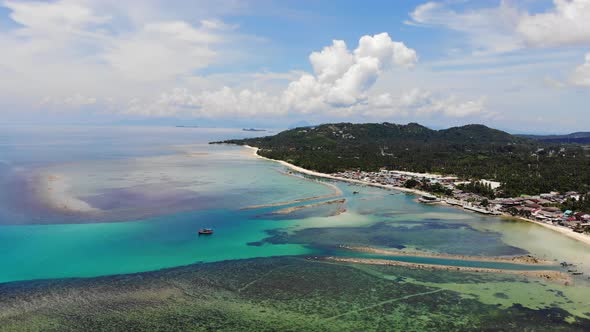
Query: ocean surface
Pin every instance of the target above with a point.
(93, 201)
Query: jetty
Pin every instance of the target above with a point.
(428, 199)
(479, 210)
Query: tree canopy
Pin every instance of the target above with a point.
(521, 164)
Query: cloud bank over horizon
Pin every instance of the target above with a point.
(441, 62)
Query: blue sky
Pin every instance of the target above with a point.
(523, 66)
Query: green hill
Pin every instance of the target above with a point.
(523, 165)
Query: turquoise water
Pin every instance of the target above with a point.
(153, 195)
(56, 251)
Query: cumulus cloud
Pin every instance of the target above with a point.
(97, 48)
(245, 103)
(162, 50)
(228, 103)
(386, 51)
(568, 23)
(222, 103)
(83, 58)
(340, 85)
(216, 24)
(75, 101)
(488, 29)
(422, 102)
(581, 75)
(507, 27)
(342, 78)
(426, 103)
(381, 101)
(332, 62)
(59, 16)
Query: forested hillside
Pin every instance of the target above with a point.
(523, 165)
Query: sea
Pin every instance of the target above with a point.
(83, 202)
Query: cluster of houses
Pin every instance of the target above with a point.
(541, 208)
(395, 178)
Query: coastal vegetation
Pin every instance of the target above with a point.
(582, 204)
(522, 165)
(479, 188)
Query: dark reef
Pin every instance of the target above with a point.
(266, 294)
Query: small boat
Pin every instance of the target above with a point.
(205, 231)
(355, 192)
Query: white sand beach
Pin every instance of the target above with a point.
(328, 176)
(562, 230)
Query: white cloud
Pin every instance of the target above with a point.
(506, 28)
(97, 49)
(422, 102)
(45, 17)
(567, 24)
(581, 75)
(216, 24)
(381, 101)
(488, 29)
(342, 78)
(332, 62)
(415, 98)
(305, 95)
(76, 101)
(84, 55)
(340, 86)
(224, 103)
(386, 51)
(277, 76)
(162, 50)
(553, 83)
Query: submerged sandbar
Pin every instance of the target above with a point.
(308, 206)
(521, 259)
(550, 275)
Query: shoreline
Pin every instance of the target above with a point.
(585, 239)
(562, 230)
(328, 176)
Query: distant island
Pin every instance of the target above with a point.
(579, 137)
(253, 129)
(188, 126)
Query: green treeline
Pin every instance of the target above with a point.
(522, 165)
(479, 188)
(581, 205)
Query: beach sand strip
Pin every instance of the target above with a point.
(522, 259)
(550, 275)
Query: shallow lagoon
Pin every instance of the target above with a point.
(207, 185)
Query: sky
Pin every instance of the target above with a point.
(521, 66)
